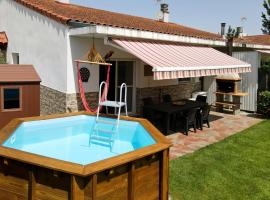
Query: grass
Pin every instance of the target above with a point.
(236, 168)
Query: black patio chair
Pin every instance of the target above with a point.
(203, 117)
(201, 98)
(190, 120)
(167, 98)
(154, 117)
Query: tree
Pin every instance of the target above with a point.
(231, 34)
(266, 18)
(2, 57)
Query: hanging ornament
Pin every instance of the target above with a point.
(85, 74)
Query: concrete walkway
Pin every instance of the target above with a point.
(222, 126)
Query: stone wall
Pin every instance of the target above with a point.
(51, 101)
(55, 102)
(75, 104)
(181, 91)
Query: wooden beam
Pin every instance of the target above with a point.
(31, 185)
(164, 175)
(94, 63)
(94, 187)
(131, 184)
(77, 188)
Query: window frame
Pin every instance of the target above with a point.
(184, 80)
(3, 102)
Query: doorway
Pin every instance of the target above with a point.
(121, 72)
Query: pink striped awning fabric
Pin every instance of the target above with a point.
(172, 61)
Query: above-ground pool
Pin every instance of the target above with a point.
(73, 139)
(71, 156)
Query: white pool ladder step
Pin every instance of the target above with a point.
(101, 138)
(108, 136)
(105, 131)
(115, 104)
(105, 121)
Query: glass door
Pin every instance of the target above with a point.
(125, 74)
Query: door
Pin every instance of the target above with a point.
(125, 74)
(121, 72)
(103, 76)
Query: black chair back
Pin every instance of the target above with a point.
(167, 98)
(205, 111)
(191, 115)
(201, 98)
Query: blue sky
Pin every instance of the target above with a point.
(202, 14)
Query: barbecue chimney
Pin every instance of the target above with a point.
(223, 26)
(164, 15)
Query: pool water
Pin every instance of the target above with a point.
(79, 139)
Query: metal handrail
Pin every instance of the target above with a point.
(100, 95)
(120, 100)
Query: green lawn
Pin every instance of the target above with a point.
(236, 168)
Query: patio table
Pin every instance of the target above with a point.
(168, 109)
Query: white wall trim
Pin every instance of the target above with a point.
(252, 46)
(131, 33)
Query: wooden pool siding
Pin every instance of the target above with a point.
(138, 175)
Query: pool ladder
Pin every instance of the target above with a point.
(106, 103)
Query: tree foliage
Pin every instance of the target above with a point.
(232, 33)
(2, 57)
(266, 18)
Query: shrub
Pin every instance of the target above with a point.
(2, 57)
(264, 103)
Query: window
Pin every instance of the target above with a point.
(148, 70)
(180, 80)
(11, 98)
(15, 58)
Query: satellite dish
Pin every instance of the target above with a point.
(243, 19)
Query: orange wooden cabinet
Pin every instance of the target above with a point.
(19, 92)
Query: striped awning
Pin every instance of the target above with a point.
(172, 61)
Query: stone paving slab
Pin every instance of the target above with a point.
(222, 126)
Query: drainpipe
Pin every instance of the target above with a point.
(229, 45)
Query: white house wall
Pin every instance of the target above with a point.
(39, 40)
(209, 85)
(249, 81)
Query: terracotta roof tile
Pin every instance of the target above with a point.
(18, 74)
(66, 12)
(256, 39)
(3, 38)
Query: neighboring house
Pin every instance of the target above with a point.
(51, 35)
(263, 58)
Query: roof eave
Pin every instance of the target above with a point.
(251, 46)
(140, 34)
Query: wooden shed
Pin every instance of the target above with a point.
(19, 92)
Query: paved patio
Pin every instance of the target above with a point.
(222, 126)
